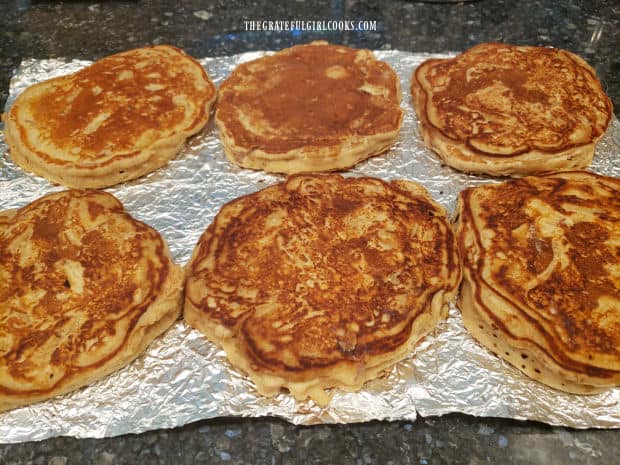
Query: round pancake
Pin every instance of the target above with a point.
(511, 110)
(314, 107)
(542, 276)
(118, 119)
(84, 288)
(322, 281)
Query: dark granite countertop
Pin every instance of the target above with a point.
(90, 30)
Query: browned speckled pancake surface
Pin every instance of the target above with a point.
(511, 110)
(322, 281)
(119, 118)
(83, 289)
(542, 267)
(313, 107)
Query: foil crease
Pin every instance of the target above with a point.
(183, 378)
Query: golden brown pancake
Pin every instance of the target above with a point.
(541, 286)
(84, 288)
(118, 119)
(322, 281)
(511, 110)
(314, 107)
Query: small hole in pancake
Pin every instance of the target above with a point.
(67, 284)
(507, 353)
(537, 370)
(121, 171)
(494, 335)
(51, 375)
(523, 367)
(523, 356)
(480, 326)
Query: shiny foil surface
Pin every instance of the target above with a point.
(182, 377)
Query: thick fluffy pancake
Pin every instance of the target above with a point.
(511, 110)
(84, 288)
(322, 281)
(542, 276)
(314, 107)
(120, 118)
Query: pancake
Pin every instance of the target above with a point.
(511, 110)
(118, 119)
(322, 281)
(541, 287)
(84, 288)
(313, 107)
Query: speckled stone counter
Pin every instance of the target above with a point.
(452, 439)
(89, 30)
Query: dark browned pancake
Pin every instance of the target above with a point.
(322, 281)
(511, 110)
(84, 288)
(542, 276)
(312, 107)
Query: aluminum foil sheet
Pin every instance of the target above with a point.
(183, 378)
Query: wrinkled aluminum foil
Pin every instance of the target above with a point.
(182, 377)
